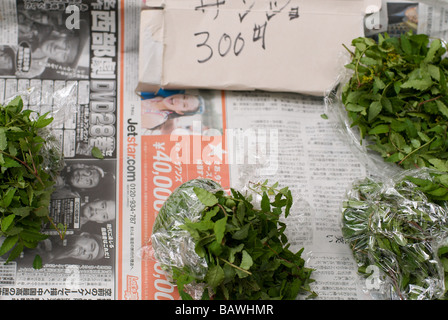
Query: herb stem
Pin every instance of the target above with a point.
(349, 51)
(415, 150)
(358, 61)
(61, 235)
(235, 266)
(276, 253)
(25, 165)
(31, 155)
(223, 210)
(429, 100)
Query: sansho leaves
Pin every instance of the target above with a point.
(97, 153)
(27, 171)
(397, 97)
(246, 250)
(400, 227)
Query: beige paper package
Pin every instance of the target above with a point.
(283, 45)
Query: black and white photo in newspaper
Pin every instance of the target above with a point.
(62, 58)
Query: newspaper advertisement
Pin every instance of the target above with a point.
(61, 57)
(78, 59)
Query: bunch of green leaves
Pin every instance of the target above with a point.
(25, 185)
(246, 249)
(397, 98)
(398, 230)
(434, 186)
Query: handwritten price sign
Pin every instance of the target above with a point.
(252, 20)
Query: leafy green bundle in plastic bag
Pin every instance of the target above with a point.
(400, 227)
(393, 99)
(221, 246)
(30, 161)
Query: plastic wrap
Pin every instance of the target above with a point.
(63, 101)
(52, 154)
(30, 167)
(171, 245)
(64, 104)
(237, 239)
(395, 227)
(388, 106)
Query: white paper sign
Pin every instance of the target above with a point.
(282, 45)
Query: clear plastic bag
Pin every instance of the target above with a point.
(64, 104)
(63, 101)
(171, 245)
(32, 159)
(392, 226)
(175, 247)
(384, 115)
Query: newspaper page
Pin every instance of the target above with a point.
(62, 58)
(236, 137)
(109, 205)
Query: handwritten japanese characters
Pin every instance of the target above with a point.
(253, 18)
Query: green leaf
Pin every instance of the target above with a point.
(444, 179)
(97, 153)
(215, 248)
(43, 121)
(21, 211)
(406, 44)
(418, 84)
(7, 222)
(210, 213)
(241, 211)
(207, 198)
(265, 203)
(433, 48)
(8, 244)
(246, 261)
(354, 107)
(378, 84)
(434, 71)
(369, 61)
(439, 164)
(10, 163)
(442, 82)
(242, 233)
(382, 128)
(7, 197)
(439, 192)
(201, 225)
(15, 252)
(3, 140)
(41, 212)
(374, 110)
(185, 296)
(423, 136)
(215, 276)
(397, 140)
(219, 229)
(235, 250)
(30, 235)
(442, 108)
(37, 262)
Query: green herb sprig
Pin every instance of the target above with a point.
(397, 98)
(26, 180)
(246, 249)
(402, 229)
